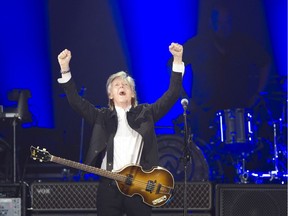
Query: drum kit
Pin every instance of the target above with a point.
(249, 146)
(238, 135)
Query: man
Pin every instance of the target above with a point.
(123, 133)
(230, 69)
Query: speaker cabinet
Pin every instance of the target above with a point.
(251, 200)
(95, 214)
(64, 196)
(199, 197)
(81, 196)
(68, 213)
(179, 214)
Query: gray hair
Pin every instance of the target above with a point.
(131, 83)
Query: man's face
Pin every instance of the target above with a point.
(121, 92)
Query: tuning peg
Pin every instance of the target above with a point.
(41, 160)
(34, 158)
(37, 147)
(44, 149)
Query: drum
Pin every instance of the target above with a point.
(235, 126)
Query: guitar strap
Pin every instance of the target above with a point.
(139, 153)
(110, 150)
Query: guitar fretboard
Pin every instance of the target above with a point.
(84, 167)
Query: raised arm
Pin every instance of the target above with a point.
(177, 52)
(64, 59)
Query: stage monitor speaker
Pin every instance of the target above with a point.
(251, 200)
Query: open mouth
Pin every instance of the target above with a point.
(122, 93)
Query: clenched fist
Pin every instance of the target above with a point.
(64, 59)
(177, 51)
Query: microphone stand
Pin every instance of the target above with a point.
(186, 157)
(82, 94)
(14, 162)
(15, 117)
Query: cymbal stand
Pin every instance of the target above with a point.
(274, 173)
(243, 173)
(15, 117)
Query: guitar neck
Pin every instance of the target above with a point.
(111, 175)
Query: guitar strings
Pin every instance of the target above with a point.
(140, 183)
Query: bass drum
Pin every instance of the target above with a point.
(170, 156)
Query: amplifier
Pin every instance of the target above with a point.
(10, 190)
(64, 196)
(13, 199)
(10, 206)
(251, 199)
(82, 196)
(71, 213)
(199, 196)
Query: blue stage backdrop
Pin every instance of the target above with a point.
(25, 56)
(141, 30)
(147, 29)
(276, 17)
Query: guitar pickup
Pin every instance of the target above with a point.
(150, 186)
(129, 179)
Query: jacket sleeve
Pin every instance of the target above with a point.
(87, 110)
(169, 98)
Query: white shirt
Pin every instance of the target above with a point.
(127, 143)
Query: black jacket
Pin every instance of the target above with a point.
(140, 118)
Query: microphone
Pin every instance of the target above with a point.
(184, 103)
